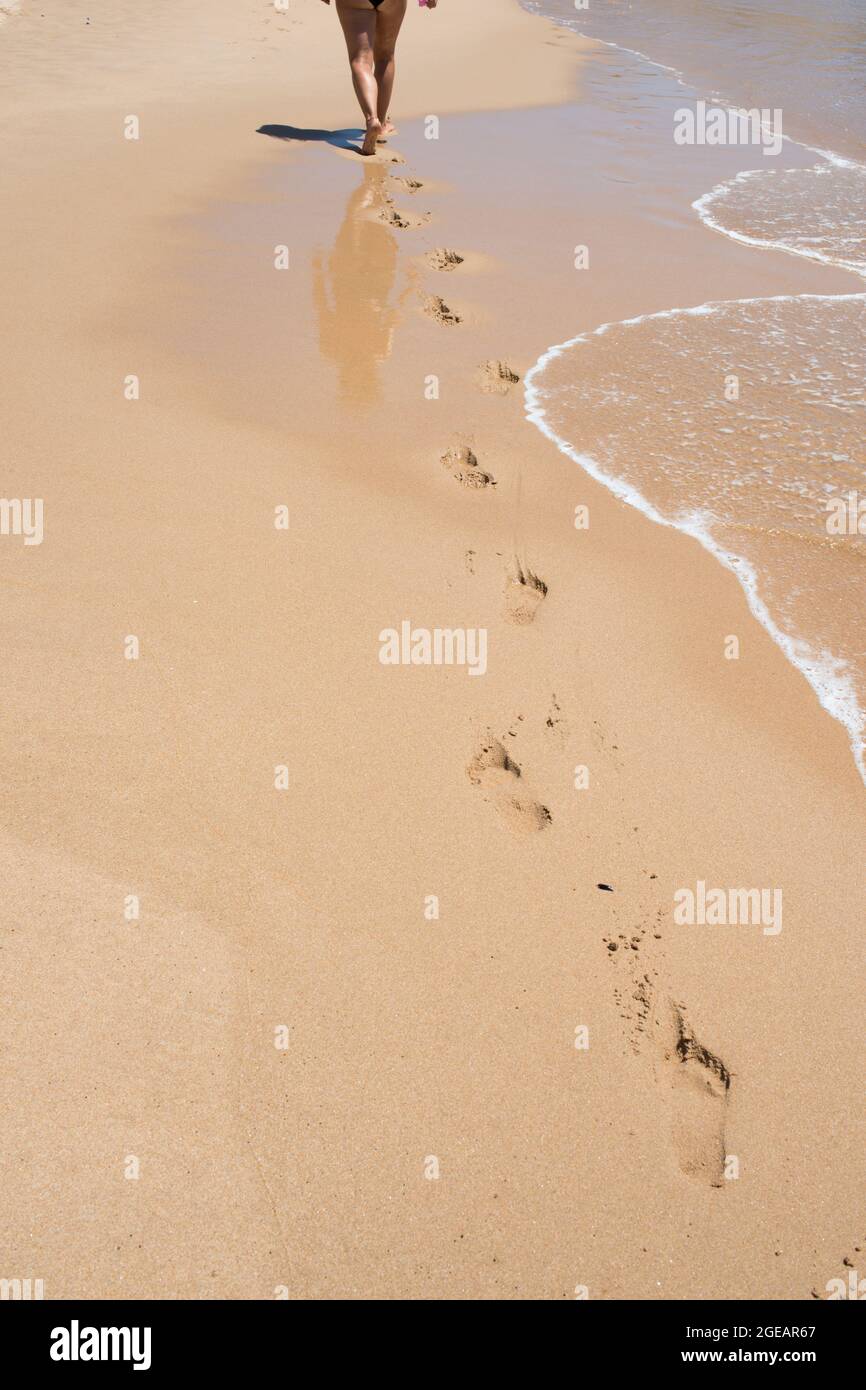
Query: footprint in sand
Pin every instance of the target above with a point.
(411, 185)
(496, 378)
(435, 308)
(400, 221)
(524, 591)
(698, 1083)
(462, 464)
(443, 259)
(500, 778)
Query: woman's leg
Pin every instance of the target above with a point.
(389, 19)
(358, 19)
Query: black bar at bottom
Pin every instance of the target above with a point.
(66, 1338)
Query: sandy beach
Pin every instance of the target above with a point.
(332, 978)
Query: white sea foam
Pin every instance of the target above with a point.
(833, 193)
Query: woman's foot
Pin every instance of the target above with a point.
(374, 132)
(388, 128)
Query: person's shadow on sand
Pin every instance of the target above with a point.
(343, 139)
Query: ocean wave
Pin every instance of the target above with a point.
(749, 477)
(748, 483)
(819, 212)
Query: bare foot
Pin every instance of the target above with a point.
(374, 130)
(388, 128)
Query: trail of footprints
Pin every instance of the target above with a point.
(391, 215)
(491, 768)
(693, 1080)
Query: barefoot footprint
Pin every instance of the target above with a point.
(699, 1083)
(436, 308)
(524, 591)
(500, 777)
(496, 378)
(401, 221)
(444, 259)
(462, 464)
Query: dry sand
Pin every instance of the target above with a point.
(416, 1046)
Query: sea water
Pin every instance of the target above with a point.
(746, 425)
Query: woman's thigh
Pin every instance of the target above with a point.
(389, 18)
(358, 18)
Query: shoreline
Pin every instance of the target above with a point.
(833, 689)
(829, 675)
(410, 1037)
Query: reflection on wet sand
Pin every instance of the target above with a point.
(353, 291)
